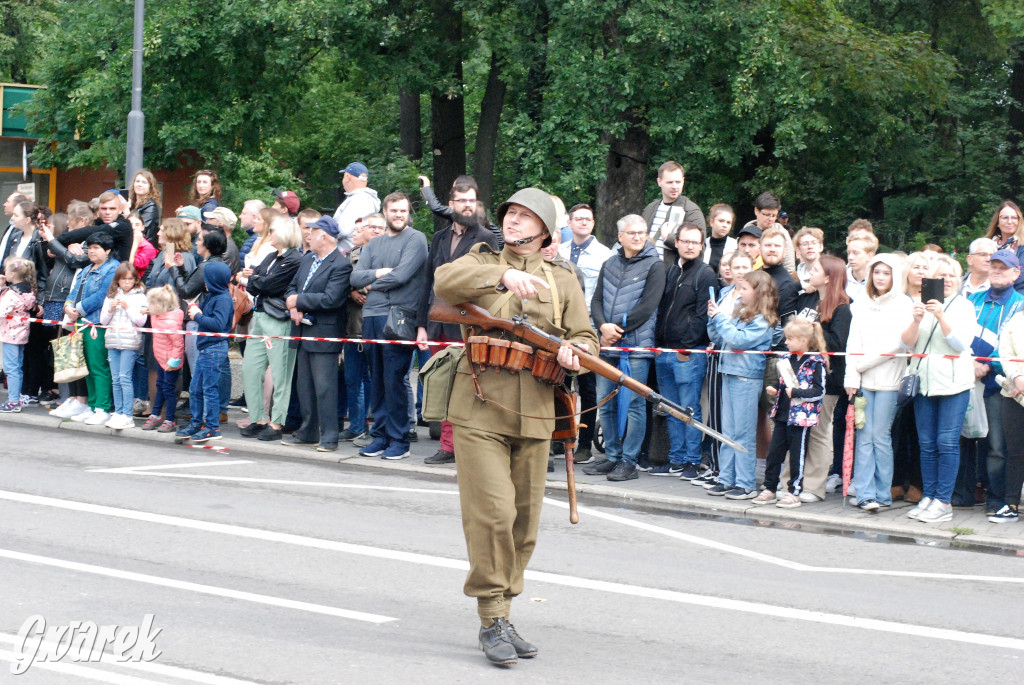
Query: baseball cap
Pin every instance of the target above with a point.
(288, 199)
(1007, 257)
(225, 215)
(327, 224)
(189, 212)
(357, 169)
(750, 229)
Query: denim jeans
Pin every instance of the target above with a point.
(939, 421)
(14, 356)
(140, 377)
(623, 447)
(739, 422)
(166, 398)
(191, 352)
(204, 392)
(872, 461)
(389, 394)
(681, 382)
(122, 370)
(355, 374)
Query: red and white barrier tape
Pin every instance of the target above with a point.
(435, 343)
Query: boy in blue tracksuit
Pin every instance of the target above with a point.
(215, 317)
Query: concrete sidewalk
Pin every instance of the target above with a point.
(968, 527)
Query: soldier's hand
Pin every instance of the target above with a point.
(567, 357)
(521, 284)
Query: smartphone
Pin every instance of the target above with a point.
(711, 293)
(932, 289)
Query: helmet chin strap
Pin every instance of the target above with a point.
(524, 241)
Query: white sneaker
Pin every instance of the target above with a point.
(937, 512)
(808, 497)
(119, 422)
(83, 414)
(834, 482)
(919, 509)
(98, 418)
(850, 490)
(66, 409)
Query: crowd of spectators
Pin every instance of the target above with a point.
(921, 357)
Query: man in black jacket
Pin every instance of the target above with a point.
(316, 301)
(111, 222)
(683, 324)
(448, 244)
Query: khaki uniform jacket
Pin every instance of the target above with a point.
(476, 278)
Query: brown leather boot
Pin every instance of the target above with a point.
(914, 494)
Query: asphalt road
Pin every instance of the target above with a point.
(281, 571)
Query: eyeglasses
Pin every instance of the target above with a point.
(1009, 217)
(635, 234)
(583, 219)
(688, 243)
(983, 255)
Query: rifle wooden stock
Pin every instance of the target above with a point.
(467, 314)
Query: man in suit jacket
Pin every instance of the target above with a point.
(316, 301)
(450, 243)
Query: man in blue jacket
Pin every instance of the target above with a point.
(214, 317)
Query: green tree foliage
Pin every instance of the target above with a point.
(906, 112)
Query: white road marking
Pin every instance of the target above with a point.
(164, 467)
(785, 563)
(152, 471)
(194, 587)
(553, 578)
(81, 671)
(622, 520)
(153, 668)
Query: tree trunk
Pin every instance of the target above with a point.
(621, 191)
(410, 139)
(1016, 119)
(487, 132)
(448, 112)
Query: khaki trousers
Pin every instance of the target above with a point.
(501, 487)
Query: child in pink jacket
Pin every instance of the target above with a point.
(17, 299)
(165, 318)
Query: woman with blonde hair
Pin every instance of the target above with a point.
(943, 331)
(267, 284)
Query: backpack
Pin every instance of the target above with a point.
(438, 377)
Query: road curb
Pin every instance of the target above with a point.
(864, 523)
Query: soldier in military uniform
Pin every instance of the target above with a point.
(501, 455)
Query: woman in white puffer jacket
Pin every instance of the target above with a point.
(878, 321)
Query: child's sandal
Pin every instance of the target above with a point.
(790, 501)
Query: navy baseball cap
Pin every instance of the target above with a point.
(327, 224)
(1007, 257)
(356, 169)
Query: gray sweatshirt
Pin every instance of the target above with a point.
(406, 253)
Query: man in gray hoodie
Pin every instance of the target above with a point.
(392, 268)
